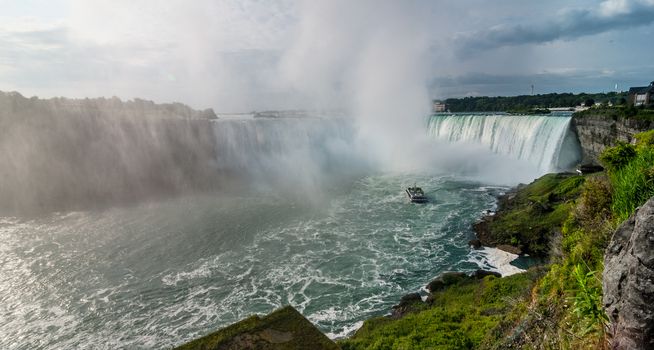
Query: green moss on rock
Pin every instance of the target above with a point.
(284, 329)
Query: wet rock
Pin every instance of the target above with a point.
(628, 281)
(475, 243)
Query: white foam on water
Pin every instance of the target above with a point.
(345, 332)
(497, 260)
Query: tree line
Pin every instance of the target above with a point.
(507, 103)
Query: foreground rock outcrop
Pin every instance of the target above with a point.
(283, 329)
(629, 281)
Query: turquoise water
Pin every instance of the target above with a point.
(159, 274)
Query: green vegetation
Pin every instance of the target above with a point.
(527, 102)
(645, 139)
(566, 309)
(466, 315)
(533, 214)
(284, 329)
(588, 299)
(528, 111)
(571, 291)
(618, 156)
(632, 174)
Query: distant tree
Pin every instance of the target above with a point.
(622, 101)
(506, 103)
(589, 102)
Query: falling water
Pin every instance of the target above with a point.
(544, 141)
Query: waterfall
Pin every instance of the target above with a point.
(284, 151)
(544, 141)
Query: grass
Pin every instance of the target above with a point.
(569, 218)
(535, 213)
(633, 184)
(462, 316)
(571, 290)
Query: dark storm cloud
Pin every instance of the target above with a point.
(568, 25)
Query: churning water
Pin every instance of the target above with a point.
(157, 274)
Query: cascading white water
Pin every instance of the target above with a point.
(544, 141)
(297, 152)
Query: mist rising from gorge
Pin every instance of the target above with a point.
(365, 58)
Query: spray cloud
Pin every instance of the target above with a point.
(365, 57)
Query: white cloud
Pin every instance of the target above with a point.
(569, 24)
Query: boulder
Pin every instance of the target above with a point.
(475, 243)
(628, 281)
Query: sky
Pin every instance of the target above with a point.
(244, 55)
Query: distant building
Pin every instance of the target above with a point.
(642, 95)
(439, 106)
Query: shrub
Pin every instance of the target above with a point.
(594, 207)
(633, 184)
(618, 156)
(587, 299)
(644, 139)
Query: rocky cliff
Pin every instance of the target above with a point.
(601, 130)
(628, 281)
